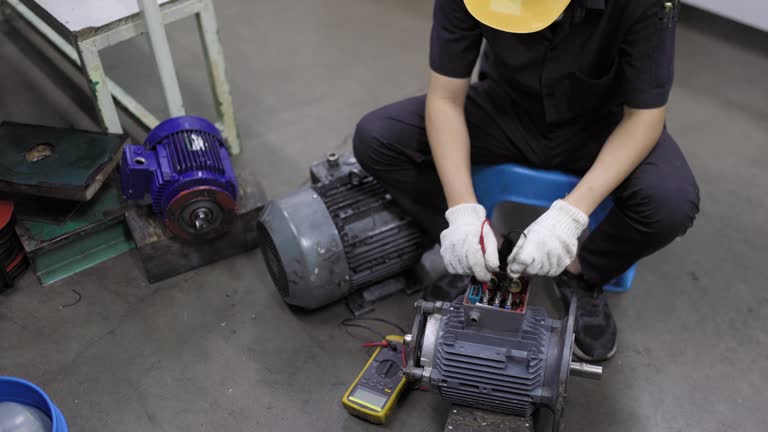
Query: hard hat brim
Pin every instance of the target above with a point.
(516, 16)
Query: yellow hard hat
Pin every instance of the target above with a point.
(516, 16)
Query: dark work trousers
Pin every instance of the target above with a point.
(654, 205)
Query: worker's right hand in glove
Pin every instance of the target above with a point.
(550, 243)
(461, 247)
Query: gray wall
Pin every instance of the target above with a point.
(751, 12)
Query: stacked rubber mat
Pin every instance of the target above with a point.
(13, 259)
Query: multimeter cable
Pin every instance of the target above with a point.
(364, 327)
(381, 320)
(376, 344)
(385, 344)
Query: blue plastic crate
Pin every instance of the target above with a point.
(495, 184)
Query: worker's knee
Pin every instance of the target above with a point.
(663, 207)
(392, 138)
(367, 140)
(677, 208)
(384, 144)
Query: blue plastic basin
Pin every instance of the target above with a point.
(23, 392)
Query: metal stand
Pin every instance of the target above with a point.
(80, 41)
(163, 59)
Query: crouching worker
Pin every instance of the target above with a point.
(579, 86)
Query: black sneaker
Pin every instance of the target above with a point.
(447, 288)
(595, 327)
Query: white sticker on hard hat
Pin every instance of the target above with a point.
(511, 7)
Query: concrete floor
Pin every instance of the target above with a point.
(217, 350)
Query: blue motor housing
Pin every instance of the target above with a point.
(185, 168)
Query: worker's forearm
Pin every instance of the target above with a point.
(449, 141)
(626, 147)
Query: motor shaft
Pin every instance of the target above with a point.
(586, 370)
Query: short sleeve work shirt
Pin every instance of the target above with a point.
(599, 56)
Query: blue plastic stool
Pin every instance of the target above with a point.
(515, 183)
(23, 392)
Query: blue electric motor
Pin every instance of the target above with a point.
(185, 168)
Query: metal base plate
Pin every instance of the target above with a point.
(163, 255)
(61, 163)
(464, 419)
(364, 301)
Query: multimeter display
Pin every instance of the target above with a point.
(368, 398)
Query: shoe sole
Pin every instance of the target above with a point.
(578, 352)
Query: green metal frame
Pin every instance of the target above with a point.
(76, 256)
(94, 232)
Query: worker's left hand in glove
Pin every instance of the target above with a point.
(550, 243)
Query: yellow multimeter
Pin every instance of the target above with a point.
(374, 392)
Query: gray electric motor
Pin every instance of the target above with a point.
(341, 234)
(501, 356)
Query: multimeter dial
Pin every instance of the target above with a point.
(387, 369)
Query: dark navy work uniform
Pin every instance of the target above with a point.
(549, 99)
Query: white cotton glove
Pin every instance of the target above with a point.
(460, 242)
(550, 243)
